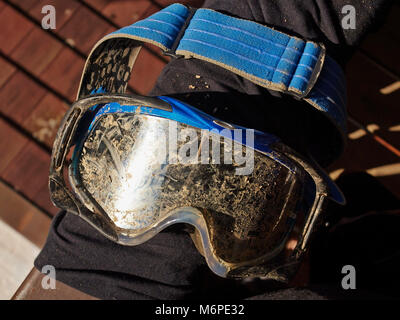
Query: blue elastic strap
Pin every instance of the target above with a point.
(260, 54)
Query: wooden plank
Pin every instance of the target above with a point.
(19, 96)
(97, 4)
(45, 119)
(37, 51)
(366, 101)
(16, 259)
(124, 13)
(13, 28)
(28, 173)
(84, 29)
(362, 153)
(7, 70)
(21, 215)
(11, 141)
(25, 4)
(64, 73)
(31, 289)
(377, 111)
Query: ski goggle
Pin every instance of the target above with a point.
(132, 166)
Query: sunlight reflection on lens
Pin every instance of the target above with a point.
(144, 175)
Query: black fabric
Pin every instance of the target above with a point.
(168, 266)
(364, 234)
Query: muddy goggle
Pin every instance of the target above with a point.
(132, 166)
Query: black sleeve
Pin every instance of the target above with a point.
(168, 266)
